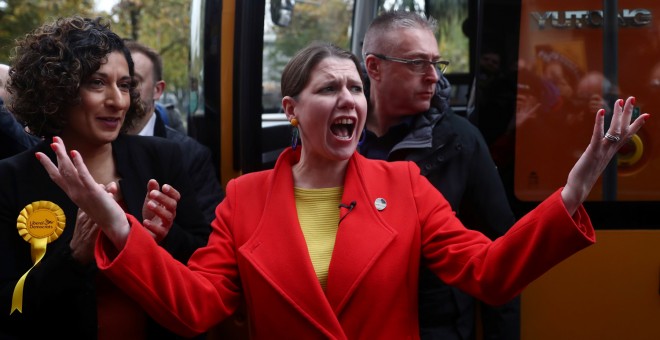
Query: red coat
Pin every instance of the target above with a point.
(257, 251)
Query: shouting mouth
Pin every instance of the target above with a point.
(343, 128)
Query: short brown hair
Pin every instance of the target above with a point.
(154, 57)
(393, 20)
(297, 71)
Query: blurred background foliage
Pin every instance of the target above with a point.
(164, 25)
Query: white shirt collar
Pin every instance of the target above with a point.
(148, 129)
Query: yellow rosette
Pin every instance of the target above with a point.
(39, 223)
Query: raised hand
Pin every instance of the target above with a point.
(72, 176)
(159, 209)
(601, 149)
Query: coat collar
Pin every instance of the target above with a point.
(159, 127)
(421, 134)
(132, 188)
(278, 251)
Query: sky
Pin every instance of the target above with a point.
(104, 5)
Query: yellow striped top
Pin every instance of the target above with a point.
(318, 213)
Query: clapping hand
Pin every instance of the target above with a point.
(159, 209)
(84, 237)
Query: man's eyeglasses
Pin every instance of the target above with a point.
(417, 65)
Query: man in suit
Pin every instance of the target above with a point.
(196, 157)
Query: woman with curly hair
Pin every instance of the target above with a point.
(72, 81)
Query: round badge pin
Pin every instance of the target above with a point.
(380, 203)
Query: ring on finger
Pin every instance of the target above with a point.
(612, 138)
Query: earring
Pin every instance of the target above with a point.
(294, 133)
(363, 137)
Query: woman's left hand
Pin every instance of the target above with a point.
(159, 209)
(600, 151)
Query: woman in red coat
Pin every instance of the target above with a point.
(328, 243)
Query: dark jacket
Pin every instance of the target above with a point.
(13, 138)
(452, 154)
(171, 116)
(198, 162)
(196, 157)
(59, 297)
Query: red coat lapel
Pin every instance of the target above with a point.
(362, 237)
(278, 251)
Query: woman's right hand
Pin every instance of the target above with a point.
(84, 238)
(74, 178)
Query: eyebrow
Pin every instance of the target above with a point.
(105, 75)
(333, 80)
(422, 56)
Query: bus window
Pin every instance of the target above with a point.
(560, 62)
(564, 78)
(310, 20)
(453, 43)
(196, 68)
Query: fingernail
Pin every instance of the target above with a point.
(601, 112)
(633, 100)
(646, 118)
(621, 102)
(53, 146)
(72, 153)
(38, 156)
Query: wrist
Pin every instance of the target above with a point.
(118, 233)
(571, 198)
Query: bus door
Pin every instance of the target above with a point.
(558, 62)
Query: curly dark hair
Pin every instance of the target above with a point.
(50, 63)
